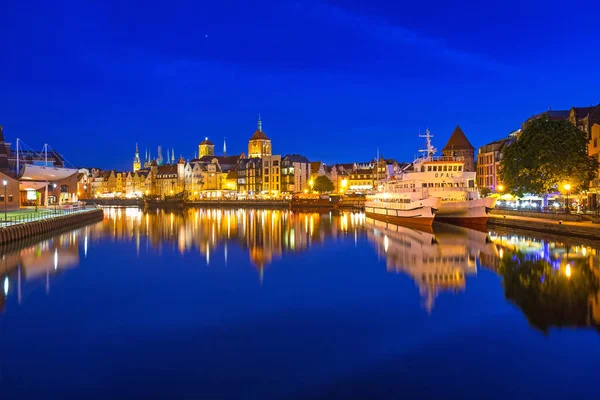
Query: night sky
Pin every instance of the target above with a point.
(332, 80)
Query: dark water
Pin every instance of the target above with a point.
(278, 305)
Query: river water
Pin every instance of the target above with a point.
(266, 304)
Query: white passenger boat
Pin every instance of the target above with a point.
(445, 179)
(402, 207)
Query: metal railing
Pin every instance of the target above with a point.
(42, 214)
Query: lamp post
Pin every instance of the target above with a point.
(54, 193)
(568, 189)
(4, 183)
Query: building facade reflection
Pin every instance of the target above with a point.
(27, 265)
(266, 234)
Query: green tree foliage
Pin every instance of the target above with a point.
(323, 184)
(485, 191)
(547, 155)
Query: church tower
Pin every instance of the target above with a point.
(206, 148)
(459, 146)
(137, 164)
(259, 144)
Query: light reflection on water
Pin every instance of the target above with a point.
(554, 282)
(240, 303)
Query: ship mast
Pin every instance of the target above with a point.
(430, 150)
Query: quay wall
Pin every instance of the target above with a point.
(115, 202)
(13, 233)
(581, 230)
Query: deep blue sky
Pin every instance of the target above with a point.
(332, 80)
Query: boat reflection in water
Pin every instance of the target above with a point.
(438, 259)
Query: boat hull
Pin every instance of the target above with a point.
(471, 212)
(420, 216)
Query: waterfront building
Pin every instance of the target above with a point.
(459, 146)
(242, 186)
(594, 151)
(295, 173)
(84, 184)
(211, 174)
(259, 144)
(166, 179)
(230, 180)
(254, 176)
(271, 178)
(206, 148)
(137, 163)
(488, 161)
(584, 118)
(362, 179)
(9, 193)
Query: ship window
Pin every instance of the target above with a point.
(424, 185)
(429, 168)
(445, 168)
(435, 168)
(460, 167)
(437, 185)
(423, 168)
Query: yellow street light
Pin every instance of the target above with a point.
(501, 188)
(568, 189)
(344, 183)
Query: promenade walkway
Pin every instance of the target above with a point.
(585, 229)
(29, 214)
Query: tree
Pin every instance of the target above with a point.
(323, 184)
(485, 191)
(547, 155)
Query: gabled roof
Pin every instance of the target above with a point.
(167, 169)
(315, 166)
(458, 141)
(557, 115)
(296, 158)
(582, 112)
(223, 160)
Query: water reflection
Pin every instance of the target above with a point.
(437, 260)
(265, 234)
(27, 265)
(554, 281)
